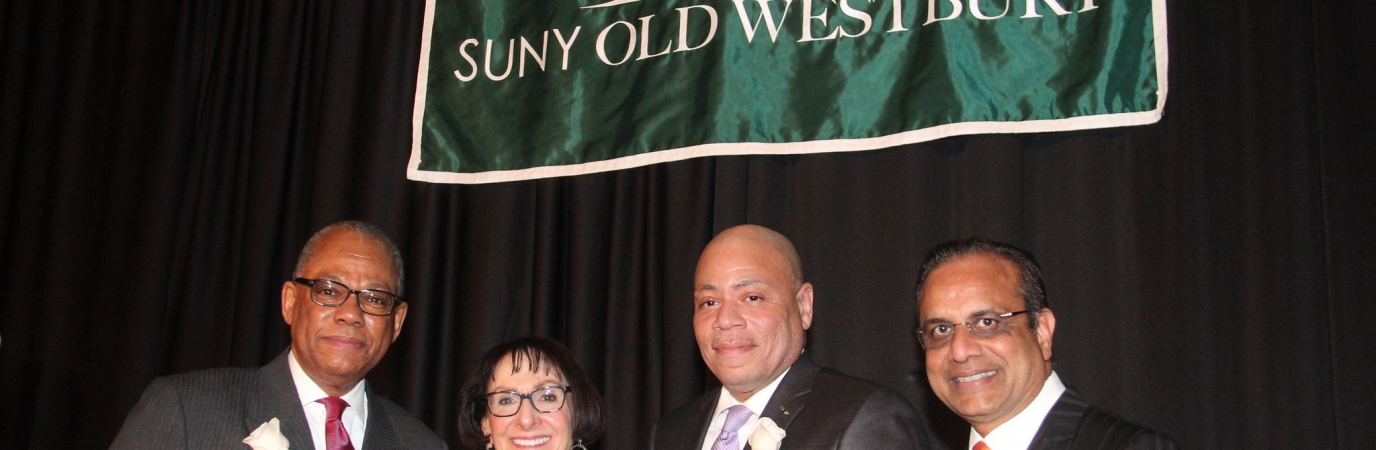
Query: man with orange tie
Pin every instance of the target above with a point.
(344, 307)
(986, 331)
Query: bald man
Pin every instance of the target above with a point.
(751, 313)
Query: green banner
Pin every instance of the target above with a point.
(512, 90)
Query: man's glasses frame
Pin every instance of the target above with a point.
(392, 300)
(521, 399)
(980, 328)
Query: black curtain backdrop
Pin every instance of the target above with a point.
(163, 162)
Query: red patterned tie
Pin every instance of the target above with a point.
(336, 437)
(980, 446)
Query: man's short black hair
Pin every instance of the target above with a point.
(364, 228)
(1030, 286)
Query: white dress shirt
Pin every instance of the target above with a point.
(1017, 433)
(354, 417)
(755, 403)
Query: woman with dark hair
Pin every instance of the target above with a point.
(529, 393)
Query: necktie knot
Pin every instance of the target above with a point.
(334, 407)
(336, 437)
(980, 446)
(736, 416)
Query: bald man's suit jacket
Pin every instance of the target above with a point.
(818, 408)
(1072, 425)
(218, 408)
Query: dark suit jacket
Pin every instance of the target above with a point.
(218, 408)
(1073, 424)
(818, 408)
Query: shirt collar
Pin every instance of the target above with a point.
(309, 392)
(756, 402)
(1017, 433)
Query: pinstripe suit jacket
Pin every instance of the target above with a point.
(1072, 425)
(218, 408)
(818, 408)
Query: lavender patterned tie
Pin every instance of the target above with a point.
(735, 417)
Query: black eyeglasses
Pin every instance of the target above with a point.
(939, 334)
(332, 294)
(546, 399)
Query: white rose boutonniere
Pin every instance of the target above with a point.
(268, 436)
(767, 435)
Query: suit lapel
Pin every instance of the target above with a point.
(1061, 423)
(380, 434)
(792, 394)
(696, 430)
(275, 396)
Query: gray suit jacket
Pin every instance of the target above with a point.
(1072, 424)
(218, 408)
(818, 408)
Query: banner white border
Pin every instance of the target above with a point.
(782, 148)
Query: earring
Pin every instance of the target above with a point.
(579, 446)
(489, 445)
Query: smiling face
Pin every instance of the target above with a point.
(528, 429)
(985, 381)
(337, 346)
(751, 313)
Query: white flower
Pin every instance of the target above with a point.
(767, 435)
(268, 436)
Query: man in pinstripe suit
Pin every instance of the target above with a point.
(986, 332)
(315, 390)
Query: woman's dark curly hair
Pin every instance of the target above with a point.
(539, 354)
